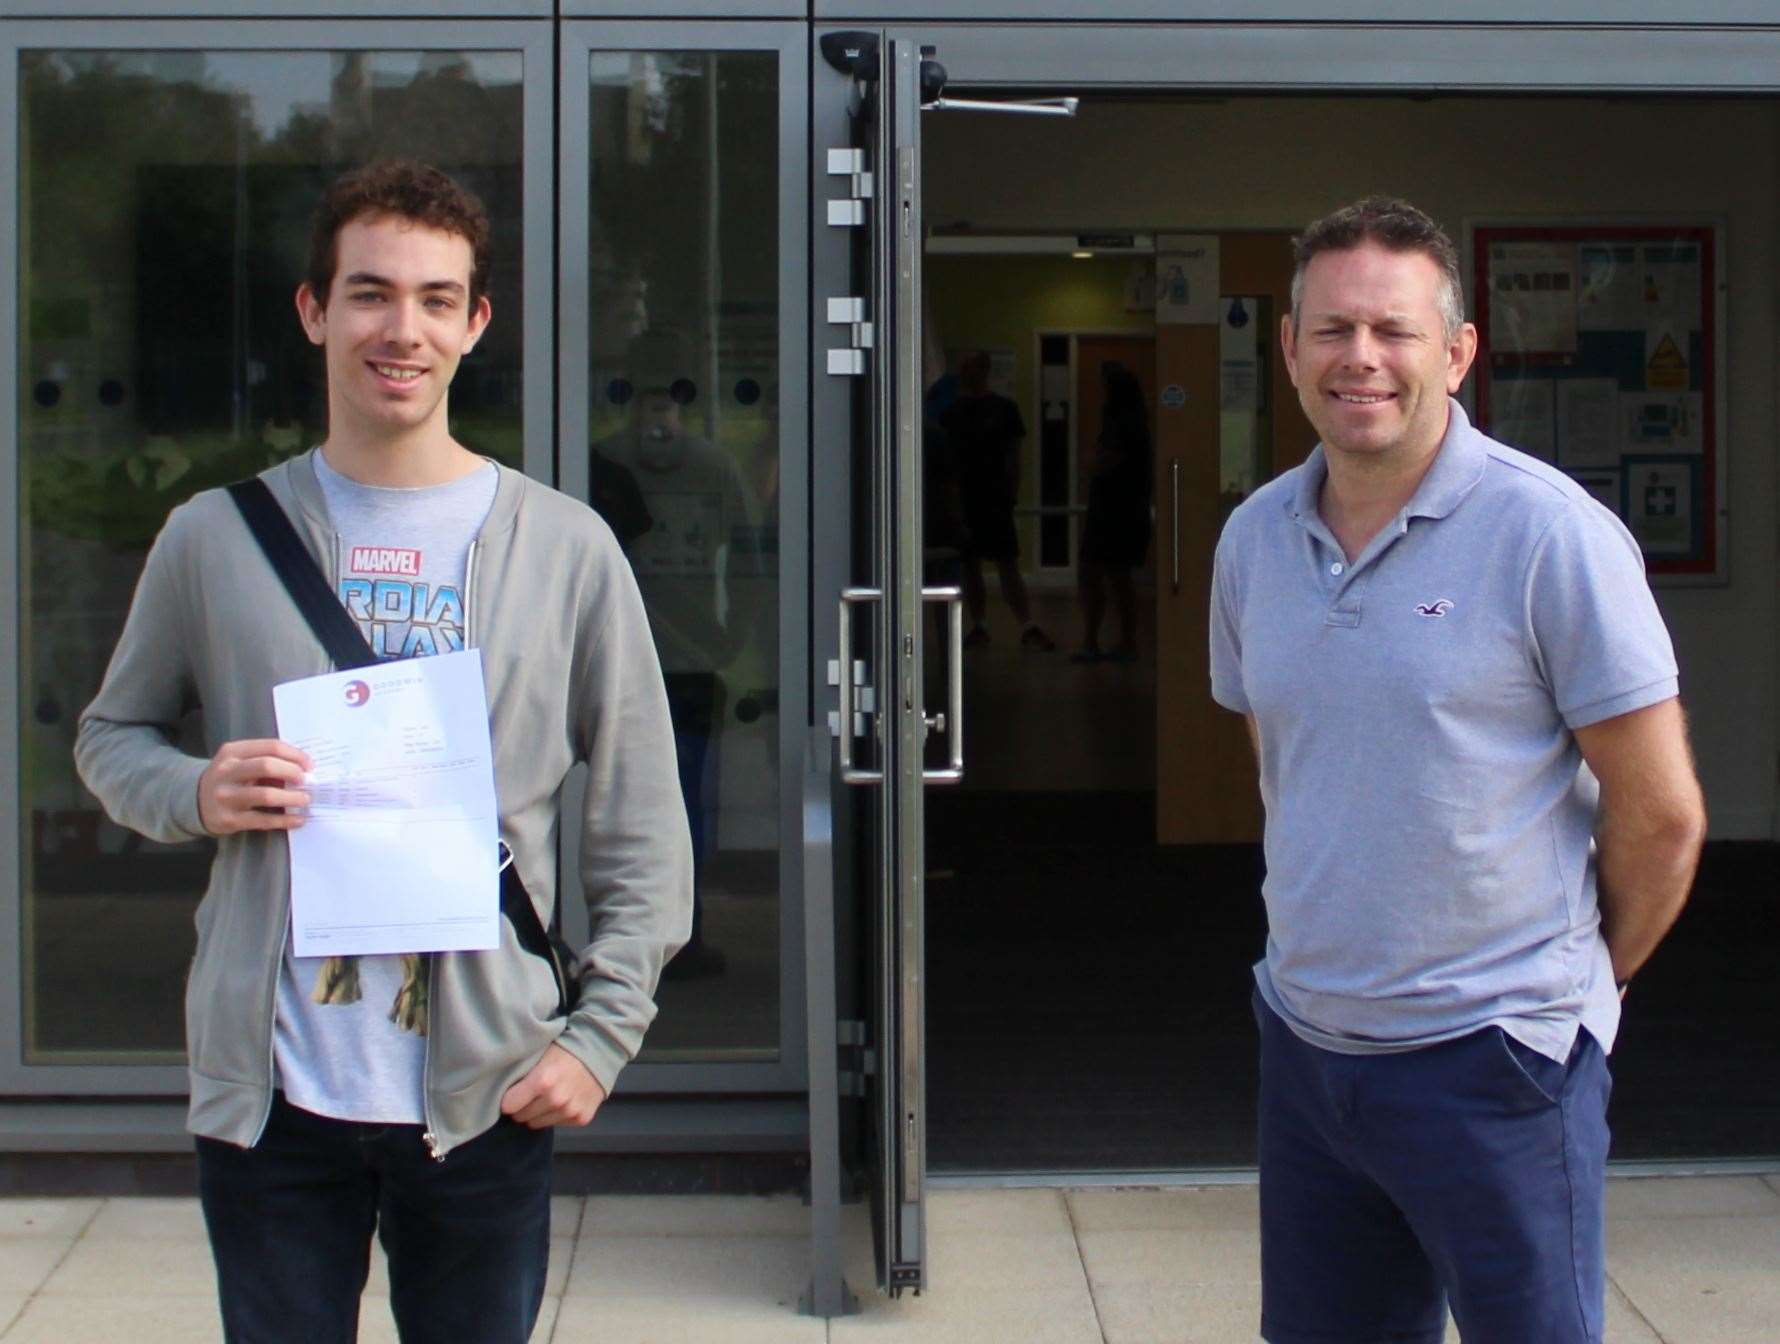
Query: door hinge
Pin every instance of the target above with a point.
(865, 699)
(858, 1061)
(849, 312)
(848, 212)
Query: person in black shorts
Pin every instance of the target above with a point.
(1116, 531)
(984, 431)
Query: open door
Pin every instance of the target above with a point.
(1227, 422)
(883, 723)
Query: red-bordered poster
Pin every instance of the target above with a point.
(1598, 354)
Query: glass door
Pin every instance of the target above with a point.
(682, 392)
(883, 725)
(164, 174)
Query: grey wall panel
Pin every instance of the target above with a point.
(1356, 57)
(1702, 13)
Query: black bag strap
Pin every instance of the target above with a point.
(302, 577)
(346, 645)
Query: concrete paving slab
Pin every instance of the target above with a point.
(987, 1262)
(705, 1271)
(25, 1262)
(565, 1214)
(581, 1321)
(150, 1220)
(54, 1218)
(1211, 1206)
(1161, 1259)
(1037, 1315)
(996, 1211)
(695, 1216)
(12, 1305)
(966, 1262)
(1707, 1280)
(1690, 1197)
(136, 1267)
(1624, 1323)
(1231, 1314)
(79, 1320)
(1153, 1313)
(377, 1326)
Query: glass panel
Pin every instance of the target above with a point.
(1245, 377)
(164, 204)
(684, 463)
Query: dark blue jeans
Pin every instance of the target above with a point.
(1472, 1171)
(291, 1219)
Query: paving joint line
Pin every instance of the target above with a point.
(1635, 1309)
(1075, 1234)
(562, 1294)
(61, 1260)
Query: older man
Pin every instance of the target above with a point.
(1482, 817)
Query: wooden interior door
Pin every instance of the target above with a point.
(1206, 789)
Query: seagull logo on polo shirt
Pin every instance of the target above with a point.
(1439, 608)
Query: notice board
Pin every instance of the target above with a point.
(1598, 352)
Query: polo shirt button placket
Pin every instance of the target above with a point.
(1344, 609)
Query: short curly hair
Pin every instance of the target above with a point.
(404, 189)
(1396, 226)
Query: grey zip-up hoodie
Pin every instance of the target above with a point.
(572, 676)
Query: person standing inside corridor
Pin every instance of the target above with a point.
(984, 431)
(1116, 529)
(1481, 818)
(414, 1095)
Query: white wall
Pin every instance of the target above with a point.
(1279, 162)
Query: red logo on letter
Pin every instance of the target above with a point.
(357, 693)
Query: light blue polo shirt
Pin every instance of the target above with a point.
(1430, 862)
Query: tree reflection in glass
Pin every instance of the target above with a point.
(164, 208)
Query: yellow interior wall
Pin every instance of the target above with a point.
(979, 302)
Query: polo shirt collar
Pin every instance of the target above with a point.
(1458, 466)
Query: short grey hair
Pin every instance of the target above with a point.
(1396, 226)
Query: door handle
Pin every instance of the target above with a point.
(1174, 516)
(850, 598)
(951, 723)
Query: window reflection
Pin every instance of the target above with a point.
(164, 204)
(684, 464)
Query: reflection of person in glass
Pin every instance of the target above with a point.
(415, 1093)
(700, 541)
(985, 430)
(1116, 530)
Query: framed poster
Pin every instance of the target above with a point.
(1598, 352)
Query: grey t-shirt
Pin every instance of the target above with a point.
(1430, 869)
(698, 563)
(350, 1038)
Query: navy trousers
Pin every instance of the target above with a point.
(1471, 1172)
(291, 1219)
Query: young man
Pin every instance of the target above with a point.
(1482, 817)
(414, 1094)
